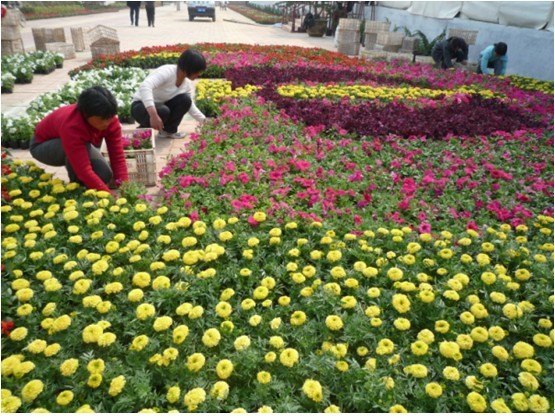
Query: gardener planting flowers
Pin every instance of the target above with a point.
(71, 135)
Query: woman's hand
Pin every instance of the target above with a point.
(156, 122)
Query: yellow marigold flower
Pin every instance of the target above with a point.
(145, 311)
(173, 394)
(476, 402)
(419, 348)
(313, 390)
(116, 385)
(442, 326)
(135, 295)
(342, 366)
(542, 340)
(522, 275)
(500, 353)
(224, 368)
(523, 350)
(32, 390)
(10, 403)
(434, 390)
(416, 370)
(401, 303)
(141, 279)
(512, 311)
(162, 323)
(220, 390)
(528, 380)
(334, 322)
(451, 373)
(194, 398)
(264, 377)
(385, 346)
(397, 408)
(520, 402)
(195, 362)
(298, 318)
(395, 274)
(531, 366)
(139, 343)
(36, 346)
(450, 349)
(248, 304)
(338, 272)
(538, 404)
(242, 343)
(373, 292)
(289, 357)
(499, 406)
(488, 370)
(64, 397)
(211, 337)
(52, 350)
(402, 324)
(18, 334)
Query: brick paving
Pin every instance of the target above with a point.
(172, 26)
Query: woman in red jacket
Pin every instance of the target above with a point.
(72, 135)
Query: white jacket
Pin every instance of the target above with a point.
(159, 87)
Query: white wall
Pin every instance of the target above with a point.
(530, 51)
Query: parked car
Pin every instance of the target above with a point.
(202, 9)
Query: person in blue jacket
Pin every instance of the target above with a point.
(494, 56)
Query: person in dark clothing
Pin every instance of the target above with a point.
(134, 7)
(149, 7)
(444, 52)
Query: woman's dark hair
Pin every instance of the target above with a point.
(456, 43)
(500, 48)
(191, 62)
(97, 101)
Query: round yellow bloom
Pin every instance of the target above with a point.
(528, 380)
(263, 377)
(141, 279)
(419, 348)
(434, 390)
(476, 402)
(531, 366)
(242, 343)
(173, 394)
(32, 390)
(402, 324)
(488, 370)
(401, 303)
(145, 311)
(64, 397)
(195, 362)
(385, 346)
(36, 346)
(289, 357)
(194, 398)
(538, 404)
(397, 408)
(224, 368)
(220, 390)
(298, 318)
(211, 337)
(69, 366)
(499, 406)
(523, 350)
(450, 349)
(313, 390)
(334, 322)
(500, 353)
(162, 323)
(139, 343)
(451, 373)
(10, 403)
(395, 274)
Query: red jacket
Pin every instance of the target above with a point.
(68, 124)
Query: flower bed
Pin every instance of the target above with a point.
(296, 264)
(164, 312)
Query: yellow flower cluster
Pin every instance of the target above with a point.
(215, 90)
(367, 92)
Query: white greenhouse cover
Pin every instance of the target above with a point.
(528, 14)
(484, 11)
(439, 9)
(524, 14)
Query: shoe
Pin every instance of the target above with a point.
(175, 135)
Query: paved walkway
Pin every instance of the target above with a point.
(172, 26)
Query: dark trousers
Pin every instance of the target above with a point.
(440, 62)
(171, 112)
(496, 65)
(150, 15)
(134, 14)
(52, 153)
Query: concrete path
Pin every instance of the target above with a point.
(172, 26)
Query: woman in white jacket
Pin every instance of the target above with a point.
(167, 94)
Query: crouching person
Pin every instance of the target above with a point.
(71, 136)
(494, 56)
